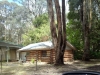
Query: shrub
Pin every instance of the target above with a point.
(93, 54)
(78, 54)
(32, 60)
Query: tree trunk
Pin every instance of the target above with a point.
(61, 40)
(59, 53)
(86, 53)
(64, 24)
(52, 25)
(81, 19)
(58, 36)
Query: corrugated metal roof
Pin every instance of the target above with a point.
(43, 46)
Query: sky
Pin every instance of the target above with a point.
(8, 0)
(67, 6)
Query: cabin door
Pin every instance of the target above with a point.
(23, 56)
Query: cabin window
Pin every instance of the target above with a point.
(44, 53)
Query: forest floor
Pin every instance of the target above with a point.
(16, 68)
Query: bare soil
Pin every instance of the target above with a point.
(16, 68)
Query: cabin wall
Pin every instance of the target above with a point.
(37, 55)
(13, 56)
(10, 54)
(68, 55)
(50, 56)
(3, 54)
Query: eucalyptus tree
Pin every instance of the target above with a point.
(87, 17)
(83, 21)
(3, 13)
(35, 7)
(40, 31)
(15, 19)
(23, 18)
(58, 34)
(95, 28)
(74, 27)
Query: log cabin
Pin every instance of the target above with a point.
(44, 52)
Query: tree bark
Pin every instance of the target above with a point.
(52, 24)
(59, 53)
(63, 29)
(58, 36)
(64, 24)
(61, 40)
(86, 53)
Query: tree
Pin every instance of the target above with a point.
(40, 20)
(35, 7)
(86, 28)
(14, 21)
(92, 25)
(59, 33)
(37, 32)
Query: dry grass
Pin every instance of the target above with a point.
(15, 68)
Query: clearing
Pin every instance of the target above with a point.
(16, 68)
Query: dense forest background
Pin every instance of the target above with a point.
(26, 21)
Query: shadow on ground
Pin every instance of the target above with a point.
(46, 69)
(6, 73)
(87, 62)
(94, 68)
(53, 69)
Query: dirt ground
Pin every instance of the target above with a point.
(16, 68)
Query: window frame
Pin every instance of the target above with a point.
(44, 53)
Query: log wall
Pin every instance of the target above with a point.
(50, 57)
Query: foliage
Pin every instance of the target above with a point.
(74, 29)
(16, 17)
(40, 31)
(95, 54)
(78, 54)
(35, 7)
(42, 19)
(32, 60)
(13, 21)
(75, 37)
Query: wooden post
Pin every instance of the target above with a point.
(7, 54)
(36, 59)
(1, 61)
(51, 56)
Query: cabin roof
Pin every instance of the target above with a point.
(47, 45)
(10, 45)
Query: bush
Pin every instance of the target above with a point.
(32, 60)
(78, 54)
(93, 55)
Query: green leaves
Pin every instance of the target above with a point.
(74, 28)
(42, 19)
(73, 15)
(41, 33)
